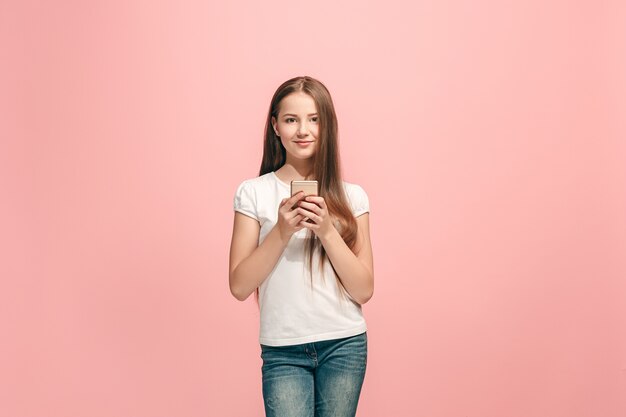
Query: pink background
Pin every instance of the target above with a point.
(489, 136)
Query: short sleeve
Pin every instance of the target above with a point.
(360, 201)
(245, 200)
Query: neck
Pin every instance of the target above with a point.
(299, 170)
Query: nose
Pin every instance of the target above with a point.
(303, 129)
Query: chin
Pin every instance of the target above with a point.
(303, 157)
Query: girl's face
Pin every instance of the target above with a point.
(297, 125)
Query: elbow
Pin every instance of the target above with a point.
(236, 291)
(365, 298)
(238, 294)
(367, 295)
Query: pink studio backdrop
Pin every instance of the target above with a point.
(489, 136)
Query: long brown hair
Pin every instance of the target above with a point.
(326, 165)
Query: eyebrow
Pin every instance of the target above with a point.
(291, 114)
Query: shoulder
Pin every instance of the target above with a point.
(254, 183)
(251, 195)
(353, 189)
(357, 196)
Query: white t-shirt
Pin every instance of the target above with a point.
(292, 311)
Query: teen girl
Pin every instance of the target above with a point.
(308, 260)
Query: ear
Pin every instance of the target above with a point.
(273, 122)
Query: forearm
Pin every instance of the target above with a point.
(253, 270)
(357, 279)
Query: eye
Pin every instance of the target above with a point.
(289, 118)
(314, 119)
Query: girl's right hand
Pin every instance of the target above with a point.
(288, 219)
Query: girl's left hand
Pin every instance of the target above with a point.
(314, 207)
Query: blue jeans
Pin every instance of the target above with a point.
(319, 379)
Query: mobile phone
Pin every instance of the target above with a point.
(308, 186)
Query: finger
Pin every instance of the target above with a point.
(307, 222)
(293, 201)
(303, 211)
(309, 214)
(317, 200)
(296, 197)
(293, 214)
(289, 202)
(311, 207)
(296, 220)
